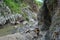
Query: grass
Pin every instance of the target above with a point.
(15, 6)
(12, 5)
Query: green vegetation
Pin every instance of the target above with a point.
(15, 6)
(38, 3)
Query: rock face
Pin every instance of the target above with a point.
(4, 10)
(49, 18)
(6, 16)
(26, 32)
(48, 21)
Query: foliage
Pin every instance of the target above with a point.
(17, 5)
(38, 3)
(14, 5)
